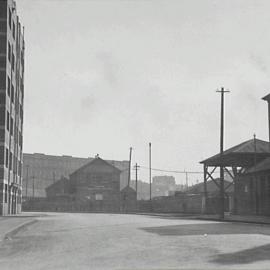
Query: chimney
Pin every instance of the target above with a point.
(267, 98)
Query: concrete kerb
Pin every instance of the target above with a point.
(11, 232)
(238, 219)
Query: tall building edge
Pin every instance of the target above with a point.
(12, 49)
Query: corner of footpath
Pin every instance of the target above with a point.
(212, 217)
(10, 225)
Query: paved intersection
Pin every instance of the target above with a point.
(114, 241)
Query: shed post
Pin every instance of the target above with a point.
(204, 202)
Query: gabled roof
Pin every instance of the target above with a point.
(92, 162)
(128, 189)
(211, 187)
(266, 98)
(241, 155)
(260, 167)
(61, 182)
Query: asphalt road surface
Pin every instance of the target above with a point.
(113, 241)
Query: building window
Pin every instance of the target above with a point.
(6, 158)
(12, 93)
(99, 197)
(10, 161)
(13, 62)
(11, 126)
(2, 98)
(20, 139)
(8, 86)
(7, 120)
(2, 136)
(6, 193)
(9, 18)
(9, 52)
(13, 30)
(21, 112)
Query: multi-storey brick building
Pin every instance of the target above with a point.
(41, 171)
(11, 107)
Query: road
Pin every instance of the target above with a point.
(114, 241)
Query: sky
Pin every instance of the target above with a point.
(104, 76)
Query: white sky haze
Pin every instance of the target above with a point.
(102, 76)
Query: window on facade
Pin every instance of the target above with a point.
(6, 193)
(8, 86)
(20, 140)
(12, 93)
(2, 119)
(9, 52)
(11, 125)
(13, 62)
(20, 169)
(6, 158)
(2, 62)
(2, 98)
(2, 152)
(13, 30)
(9, 18)
(7, 120)
(21, 112)
(268, 186)
(10, 161)
(2, 135)
(99, 197)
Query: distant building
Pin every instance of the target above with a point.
(163, 185)
(11, 107)
(41, 171)
(96, 186)
(128, 199)
(59, 189)
(143, 189)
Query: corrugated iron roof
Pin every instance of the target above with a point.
(211, 187)
(260, 167)
(241, 154)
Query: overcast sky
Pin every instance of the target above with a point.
(102, 76)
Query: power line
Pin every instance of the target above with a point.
(172, 171)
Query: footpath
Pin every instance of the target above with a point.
(227, 218)
(9, 225)
(238, 218)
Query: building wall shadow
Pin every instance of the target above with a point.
(246, 256)
(209, 229)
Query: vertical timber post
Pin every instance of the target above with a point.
(129, 165)
(205, 189)
(267, 98)
(33, 186)
(222, 208)
(136, 179)
(150, 171)
(26, 184)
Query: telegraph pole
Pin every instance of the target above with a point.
(222, 91)
(255, 175)
(136, 186)
(129, 165)
(150, 180)
(26, 184)
(33, 186)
